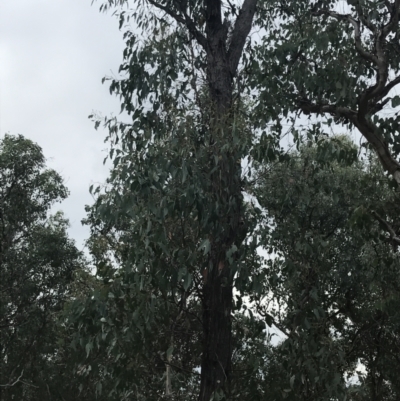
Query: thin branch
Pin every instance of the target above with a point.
(378, 106)
(233, 8)
(308, 107)
(388, 227)
(16, 381)
(394, 14)
(182, 19)
(357, 32)
(389, 87)
(364, 20)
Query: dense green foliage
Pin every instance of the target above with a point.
(331, 286)
(38, 263)
(334, 278)
(333, 59)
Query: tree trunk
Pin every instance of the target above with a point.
(226, 191)
(217, 348)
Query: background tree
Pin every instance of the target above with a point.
(334, 281)
(38, 262)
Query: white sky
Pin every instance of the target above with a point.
(53, 55)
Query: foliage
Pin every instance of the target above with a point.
(338, 59)
(174, 199)
(152, 257)
(333, 282)
(38, 262)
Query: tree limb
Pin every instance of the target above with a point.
(388, 227)
(16, 381)
(385, 91)
(184, 19)
(240, 33)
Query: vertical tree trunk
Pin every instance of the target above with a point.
(217, 348)
(226, 192)
(217, 300)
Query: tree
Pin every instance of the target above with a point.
(335, 278)
(148, 314)
(159, 82)
(37, 263)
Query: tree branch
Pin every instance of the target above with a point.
(364, 20)
(389, 87)
(388, 228)
(240, 33)
(184, 19)
(378, 106)
(357, 32)
(308, 107)
(394, 16)
(16, 381)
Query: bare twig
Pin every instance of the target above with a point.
(16, 381)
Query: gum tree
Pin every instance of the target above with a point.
(178, 158)
(38, 262)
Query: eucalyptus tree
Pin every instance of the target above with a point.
(37, 265)
(152, 258)
(178, 173)
(333, 284)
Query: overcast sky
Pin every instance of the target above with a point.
(53, 55)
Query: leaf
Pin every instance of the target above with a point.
(395, 101)
(169, 352)
(99, 388)
(88, 347)
(184, 172)
(205, 246)
(188, 281)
